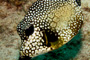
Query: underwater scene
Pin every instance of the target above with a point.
(44, 30)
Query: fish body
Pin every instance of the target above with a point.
(48, 25)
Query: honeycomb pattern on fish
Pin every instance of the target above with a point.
(48, 25)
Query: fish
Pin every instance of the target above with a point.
(48, 25)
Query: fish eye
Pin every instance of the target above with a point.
(78, 2)
(29, 30)
(49, 37)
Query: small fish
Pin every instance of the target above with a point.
(48, 25)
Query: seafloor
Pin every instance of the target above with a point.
(13, 11)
